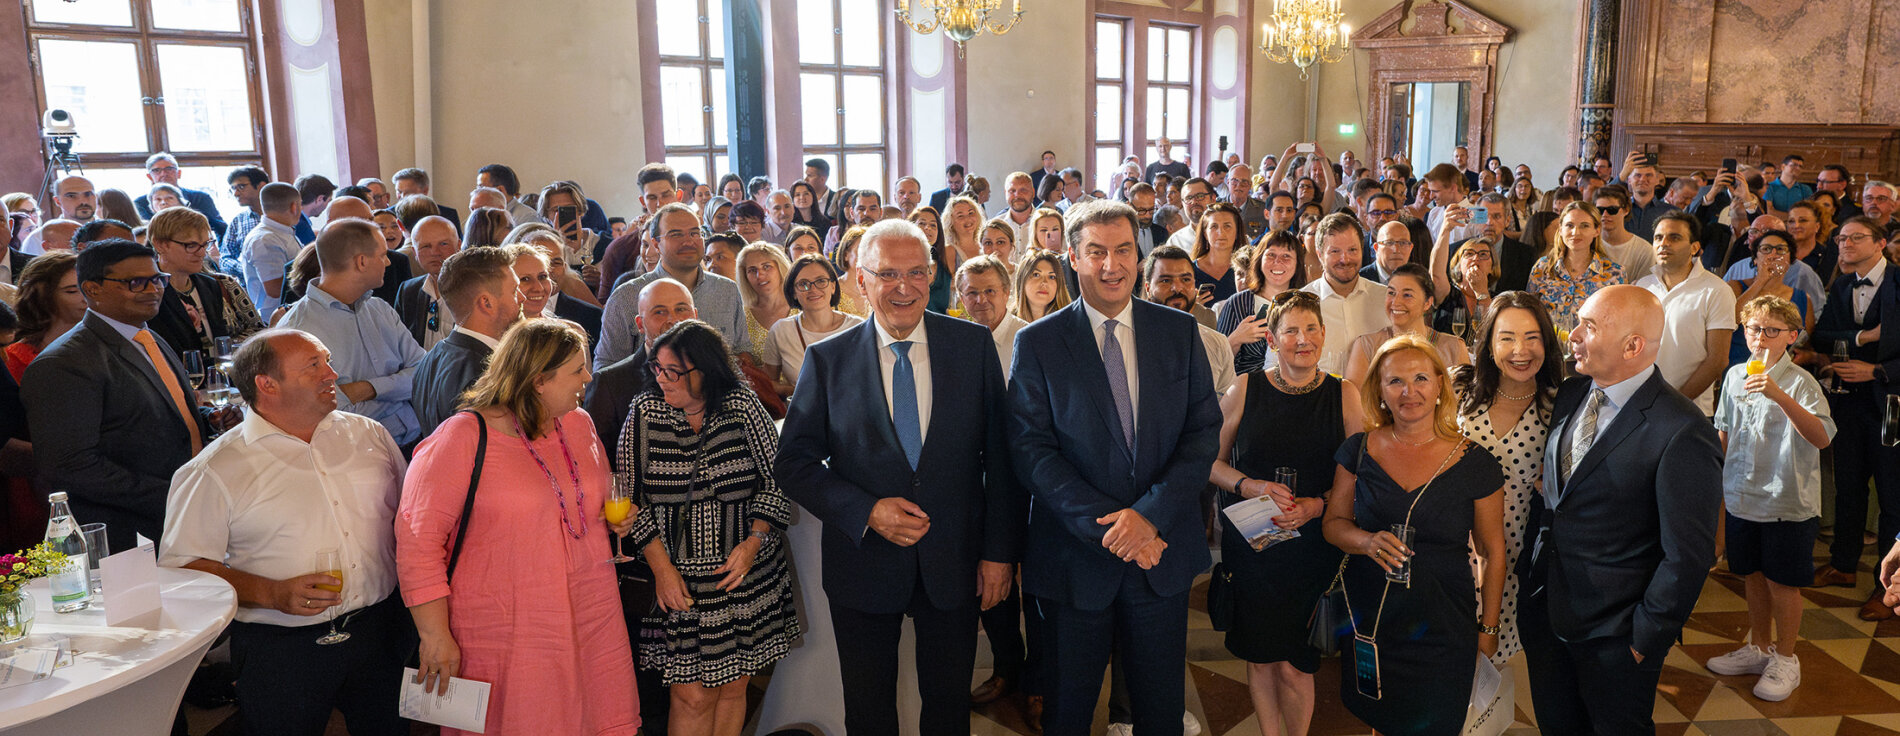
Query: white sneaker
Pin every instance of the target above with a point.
(1190, 726)
(1779, 678)
(1749, 660)
(1121, 729)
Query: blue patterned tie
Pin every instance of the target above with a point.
(904, 404)
(1118, 382)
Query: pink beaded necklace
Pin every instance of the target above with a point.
(573, 471)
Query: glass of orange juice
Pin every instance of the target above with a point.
(1757, 365)
(618, 506)
(330, 562)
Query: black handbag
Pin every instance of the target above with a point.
(1330, 616)
(1221, 605)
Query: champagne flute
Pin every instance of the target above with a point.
(330, 562)
(194, 367)
(1840, 356)
(619, 504)
(1460, 322)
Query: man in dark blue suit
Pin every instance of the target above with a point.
(1114, 426)
(953, 175)
(1623, 530)
(922, 515)
(1866, 294)
(162, 168)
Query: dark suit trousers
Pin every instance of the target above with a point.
(946, 655)
(1150, 633)
(287, 683)
(1859, 457)
(1586, 687)
(1003, 625)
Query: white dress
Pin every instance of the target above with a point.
(1521, 453)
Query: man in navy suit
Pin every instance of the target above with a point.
(162, 168)
(953, 175)
(922, 516)
(1623, 530)
(1114, 426)
(1866, 294)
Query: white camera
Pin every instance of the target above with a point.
(57, 122)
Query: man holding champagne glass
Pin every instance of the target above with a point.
(295, 508)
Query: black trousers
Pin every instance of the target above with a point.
(287, 683)
(1586, 687)
(946, 655)
(1859, 457)
(1148, 631)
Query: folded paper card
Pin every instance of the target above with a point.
(129, 581)
(464, 707)
(1253, 518)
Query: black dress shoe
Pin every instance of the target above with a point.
(992, 690)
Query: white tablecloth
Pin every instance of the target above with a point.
(124, 680)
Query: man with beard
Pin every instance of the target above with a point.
(1349, 305)
(1197, 194)
(1019, 192)
(1168, 277)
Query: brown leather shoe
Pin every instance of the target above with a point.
(1827, 575)
(991, 690)
(1032, 713)
(1874, 609)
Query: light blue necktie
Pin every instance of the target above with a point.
(904, 404)
(1118, 382)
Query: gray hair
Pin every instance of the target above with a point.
(1096, 212)
(152, 160)
(889, 229)
(1872, 183)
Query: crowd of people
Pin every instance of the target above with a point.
(1492, 417)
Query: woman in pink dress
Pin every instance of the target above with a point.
(533, 606)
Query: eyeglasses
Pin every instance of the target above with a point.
(747, 221)
(1198, 198)
(1381, 213)
(667, 372)
(1763, 331)
(1852, 238)
(435, 317)
(1767, 248)
(1611, 209)
(812, 284)
(1477, 254)
(141, 283)
(191, 246)
(915, 275)
(1391, 243)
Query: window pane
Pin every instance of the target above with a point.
(1177, 113)
(1155, 98)
(716, 97)
(816, 42)
(207, 98)
(1107, 161)
(1108, 112)
(1108, 50)
(861, 39)
(98, 82)
(196, 15)
(819, 98)
(695, 165)
(1157, 54)
(722, 164)
(682, 106)
(831, 159)
(716, 29)
(678, 25)
(864, 171)
(863, 110)
(207, 179)
(1180, 52)
(96, 13)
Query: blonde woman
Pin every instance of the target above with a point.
(1412, 469)
(998, 239)
(199, 305)
(569, 282)
(960, 235)
(1576, 265)
(762, 272)
(1045, 231)
(562, 303)
(1039, 290)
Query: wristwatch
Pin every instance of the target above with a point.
(762, 535)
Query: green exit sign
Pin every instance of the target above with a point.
(1348, 129)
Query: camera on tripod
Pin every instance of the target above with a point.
(59, 132)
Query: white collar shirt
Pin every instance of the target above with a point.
(444, 317)
(1005, 337)
(920, 368)
(1864, 294)
(492, 343)
(1702, 302)
(1347, 316)
(1125, 333)
(264, 502)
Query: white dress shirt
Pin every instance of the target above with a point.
(920, 367)
(1436, 219)
(1615, 396)
(444, 317)
(1220, 358)
(1346, 316)
(1702, 302)
(1864, 295)
(1005, 337)
(1025, 234)
(492, 343)
(1124, 332)
(263, 502)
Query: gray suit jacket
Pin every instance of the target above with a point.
(105, 429)
(445, 372)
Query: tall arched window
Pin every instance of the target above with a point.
(841, 83)
(692, 43)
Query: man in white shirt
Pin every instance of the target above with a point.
(1168, 280)
(1349, 305)
(1445, 184)
(255, 508)
(1020, 193)
(983, 284)
(271, 245)
(1198, 195)
(1628, 249)
(1698, 311)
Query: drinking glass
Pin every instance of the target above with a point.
(224, 347)
(194, 367)
(1840, 356)
(1890, 422)
(1757, 365)
(96, 550)
(619, 505)
(1403, 575)
(1460, 323)
(1288, 477)
(330, 562)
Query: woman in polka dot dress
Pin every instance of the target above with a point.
(1504, 406)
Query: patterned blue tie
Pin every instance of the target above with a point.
(904, 404)
(1118, 382)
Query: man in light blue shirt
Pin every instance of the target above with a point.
(1787, 189)
(270, 245)
(372, 352)
(682, 251)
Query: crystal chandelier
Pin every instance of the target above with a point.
(961, 20)
(1305, 32)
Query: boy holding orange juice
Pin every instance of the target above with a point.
(1774, 421)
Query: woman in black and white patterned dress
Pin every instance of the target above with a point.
(696, 454)
(1504, 407)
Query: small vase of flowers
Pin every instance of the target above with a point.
(16, 603)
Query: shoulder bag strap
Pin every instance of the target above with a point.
(474, 480)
